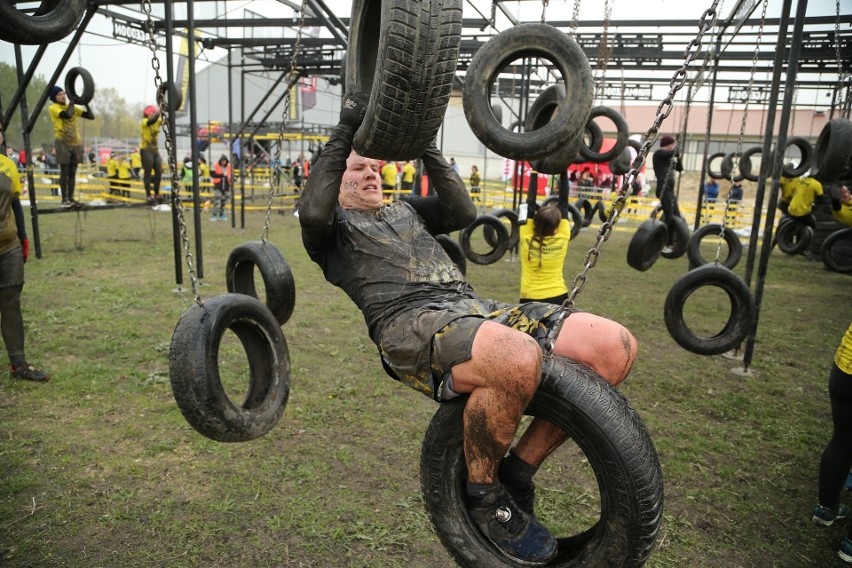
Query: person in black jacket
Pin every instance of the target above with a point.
(666, 162)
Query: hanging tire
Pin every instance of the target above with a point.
(646, 244)
(746, 166)
(793, 238)
(403, 53)
(620, 165)
(276, 274)
(497, 251)
(88, 93)
(807, 156)
(680, 242)
(175, 97)
(514, 231)
(833, 149)
(612, 439)
(194, 368)
(591, 141)
(714, 157)
(601, 210)
(454, 251)
(539, 115)
(739, 322)
(585, 207)
(836, 251)
(623, 133)
(732, 240)
(728, 168)
(528, 40)
(52, 22)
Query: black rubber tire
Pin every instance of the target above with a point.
(592, 140)
(55, 20)
(454, 251)
(175, 97)
(833, 149)
(585, 207)
(403, 53)
(194, 368)
(497, 111)
(601, 209)
(88, 93)
(807, 157)
(541, 111)
(528, 40)
(275, 271)
(793, 238)
(623, 132)
(732, 240)
(836, 251)
(613, 439)
(680, 242)
(497, 251)
(646, 244)
(728, 168)
(710, 159)
(514, 232)
(620, 165)
(570, 212)
(739, 322)
(746, 166)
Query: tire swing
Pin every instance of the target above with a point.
(54, 20)
(712, 158)
(806, 152)
(680, 239)
(497, 251)
(454, 251)
(833, 149)
(836, 251)
(534, 41)
(195, 346)
(620, 140)
(739, 321)
(511, 218)
(608, 433)
(793, 238)
(646, 244)
(585, 206)
(746, 166)
(88, 93)
(539, 115)
(729, 237)
(399, 53)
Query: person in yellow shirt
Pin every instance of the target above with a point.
(112, 173)
(841, 204)
(135, 163)
(544, 245)
(408, 173)
(69, 146)
(837, 456)
(801, 205)
(14, 251)
(152, 163)
(474, 183)
(389, 172)
(124, 175)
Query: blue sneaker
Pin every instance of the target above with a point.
(222, 218)
(848, 484)
(515, 534)
(845, 551)
(214, 218)
(826, 517)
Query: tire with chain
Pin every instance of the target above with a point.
(731, 239)
(612, 440)
(497, 251)
(622, 130)
(273, 268)
(740, 318)
(680, 242)
(194, 368)
(728, 168)
(403, 53)
(454, 251)
(793, 238)
(507, 215)
(710, 171)
(528, 40)
(88, 93)
(173, 96)
(806, 152)
(833, 149)
(540, 113)
(586, 208)
(54, 20)
(746, 166)
(836, 251)
(646, 244)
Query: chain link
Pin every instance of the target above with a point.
(162, 96)
(276, 176)
(708, 19)
(840, 90)
(544, 4)
(575, 17)
(604, 50)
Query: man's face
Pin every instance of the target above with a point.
(62, 98)
(845, 195)
(360, 187)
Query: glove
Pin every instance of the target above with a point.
(353, 109)
(25, 245)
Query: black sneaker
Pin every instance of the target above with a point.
(523, 496)
(516, 534)
(27, 372)
(66, 204)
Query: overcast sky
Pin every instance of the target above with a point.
(127, 67)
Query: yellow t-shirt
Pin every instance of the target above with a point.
(389, 174)
(844, 215)
(542, 276)
(843, 357)
(150, 133)
(124, 169)
(408, 172)
(135, 160)
(112, 167)
(804, 194)
(65, 129)
(10, 189)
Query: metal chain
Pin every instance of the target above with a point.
(604, 49)
(544, 10)
(664, 109)
(170, 148)
(840, 89)
(276, 177)
(575, 17)
(735, 163)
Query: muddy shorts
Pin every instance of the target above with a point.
(12, 267)
(419, 347)
(68, 153)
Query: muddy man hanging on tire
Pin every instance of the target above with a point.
(437, 336)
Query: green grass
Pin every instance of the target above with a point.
(98, 468)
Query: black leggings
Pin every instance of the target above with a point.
(670, 210)
(152, 171)
(67, 180)
(837, 456)
(12, 322)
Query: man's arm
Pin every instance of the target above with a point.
(88, 113)
(452, 208)
(153, 118)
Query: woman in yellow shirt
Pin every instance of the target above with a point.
(544, 245)
(69, 146)
(841, 205)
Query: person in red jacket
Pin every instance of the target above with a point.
(222, 176)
